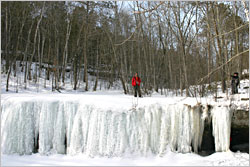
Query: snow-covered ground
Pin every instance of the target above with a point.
(170, 159)
(42, 85)
(115, 100)
(104, 97)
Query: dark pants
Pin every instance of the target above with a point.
(137, 89)
(234, 88)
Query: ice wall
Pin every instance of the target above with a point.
(74, 127)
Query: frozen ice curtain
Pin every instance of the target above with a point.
(68, 127)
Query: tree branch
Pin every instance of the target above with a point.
(127, 38)
(208, 75)
(150, 10)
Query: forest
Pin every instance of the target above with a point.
(172, 45)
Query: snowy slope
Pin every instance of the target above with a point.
(42, 85)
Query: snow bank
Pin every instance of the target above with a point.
(58, 125)
(169, 159)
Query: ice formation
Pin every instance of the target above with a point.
(221, 120)
(72, 127)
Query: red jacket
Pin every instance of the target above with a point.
(136, 79)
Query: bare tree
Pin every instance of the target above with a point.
(34, 41)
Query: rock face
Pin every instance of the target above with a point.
(240, 119)
(240, 131)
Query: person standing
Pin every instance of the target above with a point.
(235, 83)
(136, 81)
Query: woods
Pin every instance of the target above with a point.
(172, 45)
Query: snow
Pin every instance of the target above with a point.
(170, 159)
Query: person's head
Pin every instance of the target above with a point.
(235, 74)
(136, 74)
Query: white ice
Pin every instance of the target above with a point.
(103, 126)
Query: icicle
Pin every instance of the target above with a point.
(59, 131)
(221, 120)
(17, 128)
(47, 127)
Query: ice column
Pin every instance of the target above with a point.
(221, 120)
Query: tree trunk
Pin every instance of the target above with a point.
(6, 39)
(85, 61)
(219, 43)
(25, 59)
(18, 41)
(49, 57)
(41, 55)
(34, 46)
(65, 52)
(76, 57)
(97, 68)
(237, 39)
(85, 48)
(8, 78)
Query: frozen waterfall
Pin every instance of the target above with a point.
(72, 127)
